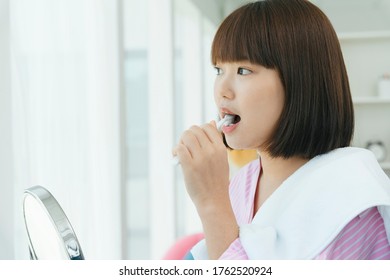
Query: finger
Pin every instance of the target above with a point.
(183, 155)
(201, 136)
(212, 133)
(191, 142)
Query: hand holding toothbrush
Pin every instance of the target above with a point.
(227, 120)
(203, 159)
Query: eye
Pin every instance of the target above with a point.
(243, 71)
(218, 70)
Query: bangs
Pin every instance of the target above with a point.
(244, 35)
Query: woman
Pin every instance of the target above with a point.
(281, 74)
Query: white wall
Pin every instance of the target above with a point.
(210, 9)
(352, 15)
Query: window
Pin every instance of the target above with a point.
(186, 83)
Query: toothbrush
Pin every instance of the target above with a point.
(227, 120)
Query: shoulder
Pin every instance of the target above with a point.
(364, 237)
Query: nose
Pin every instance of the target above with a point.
(223, 88)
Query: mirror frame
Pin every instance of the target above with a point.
(58, 219)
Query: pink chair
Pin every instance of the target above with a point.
(182, 246)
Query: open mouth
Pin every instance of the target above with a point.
(236, 119)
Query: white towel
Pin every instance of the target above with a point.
(313, 205)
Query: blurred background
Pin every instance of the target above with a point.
(95, 93)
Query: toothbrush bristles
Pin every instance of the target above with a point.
(228, 119)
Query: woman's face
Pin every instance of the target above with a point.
(256, 95)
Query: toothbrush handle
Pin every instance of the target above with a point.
(175, 160)
(221, 122)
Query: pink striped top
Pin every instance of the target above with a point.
(364, 237)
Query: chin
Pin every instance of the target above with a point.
(236, 144)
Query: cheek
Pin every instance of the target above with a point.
(265, 111)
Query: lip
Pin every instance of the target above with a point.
(225, 111)
(230, 128)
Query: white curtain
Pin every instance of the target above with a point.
(6, 166)
(66, 117)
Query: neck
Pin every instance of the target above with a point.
(279, 169)
(273, 172)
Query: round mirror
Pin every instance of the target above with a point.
(50, 234)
